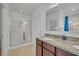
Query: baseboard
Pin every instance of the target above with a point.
(25, 44)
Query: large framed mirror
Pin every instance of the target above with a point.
(55, 18)
(72, 11)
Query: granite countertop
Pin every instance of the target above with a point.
(67, 45)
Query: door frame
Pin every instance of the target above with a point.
(5, 29)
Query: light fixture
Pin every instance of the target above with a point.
(73, 9)
(54, 5)
(21, 11)
(25, 22)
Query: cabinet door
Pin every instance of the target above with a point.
(38, 41)
(49, 47)
(47, 53)
(60, 52)
(38, 50)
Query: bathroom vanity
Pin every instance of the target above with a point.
(55, 21)
(55, 47)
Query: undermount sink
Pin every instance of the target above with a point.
(76, 46)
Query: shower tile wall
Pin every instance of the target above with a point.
(16, 32)
(17, 29)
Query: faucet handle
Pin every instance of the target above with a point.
(64, 37)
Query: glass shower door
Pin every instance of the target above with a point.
(26, 32)
(16, 32)
(20, 32)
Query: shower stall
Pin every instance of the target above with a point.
(20, 31)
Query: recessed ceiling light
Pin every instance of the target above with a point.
(25, 22)
(21, 11)
(73, 9)
(54, 4)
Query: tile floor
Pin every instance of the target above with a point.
(22, 51)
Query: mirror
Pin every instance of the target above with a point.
(72, 11)
(55, 17)
(52, 16)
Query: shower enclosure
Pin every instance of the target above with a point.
(20, 31)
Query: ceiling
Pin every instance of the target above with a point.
(65, 7)
(24, 8)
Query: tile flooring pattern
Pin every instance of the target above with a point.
(22, 51)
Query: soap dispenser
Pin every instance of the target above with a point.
(66, 28)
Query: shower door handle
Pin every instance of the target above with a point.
(23, 35)
(1, 36)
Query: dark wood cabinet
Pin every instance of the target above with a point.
(38, 50)
(39, 42)
(49, 47)
(60, 52)
(46, 49)
(47, 53)
(39, 47)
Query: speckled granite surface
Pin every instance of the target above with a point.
(63, 44)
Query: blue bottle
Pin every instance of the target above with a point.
(66, 26)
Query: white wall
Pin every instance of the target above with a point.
(5, 29)
(0, 26)
(38, 21)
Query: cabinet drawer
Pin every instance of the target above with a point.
(60, 52)
(38, 41)
(49, 47)
(47, 53)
